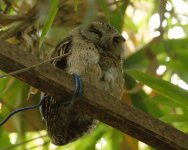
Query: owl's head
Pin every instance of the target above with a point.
(103, 35)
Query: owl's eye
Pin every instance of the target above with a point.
(94, 30)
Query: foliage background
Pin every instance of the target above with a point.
(155, 65)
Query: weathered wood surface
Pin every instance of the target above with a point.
(94, 102)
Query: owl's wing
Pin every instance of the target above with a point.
(49, 108)
(62, 48)
(64, 124)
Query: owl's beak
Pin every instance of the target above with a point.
(118, 39)
(123, 39)
(115, 44)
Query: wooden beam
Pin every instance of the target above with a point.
(94, 102)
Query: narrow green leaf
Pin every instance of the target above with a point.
(130, 24)
(5, 142)
(182, 57)
(52, 13)
(178, 67)
(138, 60)
(104, 8)
(174, 118)
(165, 88)
(75, 5)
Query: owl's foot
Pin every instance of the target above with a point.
(77, 91)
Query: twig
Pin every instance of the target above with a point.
(7, 19)
(45, 143)
(8, 5)
(34, 66)
(6, 104)
(21, 143)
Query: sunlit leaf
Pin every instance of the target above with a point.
(51, 15)
(4, 142)
(75, 5)
(165, 88)
(174, 118)
(104, 7)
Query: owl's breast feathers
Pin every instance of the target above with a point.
(96, 66)
(62, 48)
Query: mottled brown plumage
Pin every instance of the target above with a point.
(96, 56)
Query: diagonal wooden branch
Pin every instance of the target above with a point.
(94, 102)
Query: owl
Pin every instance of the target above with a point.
(95, 54)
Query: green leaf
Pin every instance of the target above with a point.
(152, 107)
(75, 5)
(174, 118)
(136, 98)
(182, 57)
(52, 13)
(130, 24)
(136, 61)
(178, 67)
(139, 60)
(164, 102)
(5, 142)
(117, 17)
(165, 88)
(103, 6)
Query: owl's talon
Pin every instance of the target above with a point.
(78, 89)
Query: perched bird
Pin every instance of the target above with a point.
(95, 54)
